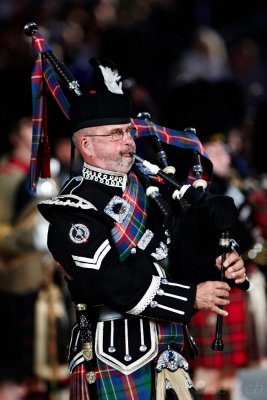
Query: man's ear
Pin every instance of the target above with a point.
(84, 145)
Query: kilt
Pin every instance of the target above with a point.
(235, 335)
(114, 385)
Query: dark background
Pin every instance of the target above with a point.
(147, 40)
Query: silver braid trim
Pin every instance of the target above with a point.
(145, 239)
(161, 252)
(70, 200)
(109, 178)
(148, 297)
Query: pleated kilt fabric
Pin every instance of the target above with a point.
(113, 385)
(79, 389)
(235, 336)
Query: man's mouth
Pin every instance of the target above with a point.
(128, 154)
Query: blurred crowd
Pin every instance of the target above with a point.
(197, 63)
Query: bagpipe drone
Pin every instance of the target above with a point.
(207, 222)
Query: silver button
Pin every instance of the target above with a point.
(133, 250)
(143, 348)
(127, 357)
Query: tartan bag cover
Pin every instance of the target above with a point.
(182, 139)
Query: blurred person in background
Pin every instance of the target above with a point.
(62, 154)
(246, 60)
(255, 210)
(237, 144)
(206, 59)
(214, 372)
(226, 179)
(16, 285)
(26, 274)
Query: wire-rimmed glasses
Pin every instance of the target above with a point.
(118, 133)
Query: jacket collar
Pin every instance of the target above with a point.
(108, 178)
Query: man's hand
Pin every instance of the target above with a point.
(234, 267)
(212, 294)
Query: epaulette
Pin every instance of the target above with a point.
(66, 198)
(72, 184)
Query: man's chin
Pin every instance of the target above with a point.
(124, 166)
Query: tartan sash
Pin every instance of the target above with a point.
(127, 233)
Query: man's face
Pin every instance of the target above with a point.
(107, 152)
(220, 158)
(21, 137)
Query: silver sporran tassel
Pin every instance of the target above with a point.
(172, 374)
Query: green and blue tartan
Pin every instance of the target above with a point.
(127, 233)
(113, 385)
(170, 333)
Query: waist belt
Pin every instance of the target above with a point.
(101, 313)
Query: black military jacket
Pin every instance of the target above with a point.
(81, 219)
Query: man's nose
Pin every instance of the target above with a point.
(128, 137)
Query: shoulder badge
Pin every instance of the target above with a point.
(79, 233)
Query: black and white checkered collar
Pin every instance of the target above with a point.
(109, 178)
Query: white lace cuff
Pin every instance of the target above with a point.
(148, 296)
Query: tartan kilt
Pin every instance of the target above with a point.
(234, 336)
(114, 385)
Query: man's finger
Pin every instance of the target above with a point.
(221, 285)
(222, 293)
(219, 311)
(222, 302)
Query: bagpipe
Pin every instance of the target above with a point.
(207, 222)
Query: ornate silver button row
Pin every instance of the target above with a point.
(127, 357)
(111, 349)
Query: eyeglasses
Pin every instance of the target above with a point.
(117, 134)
